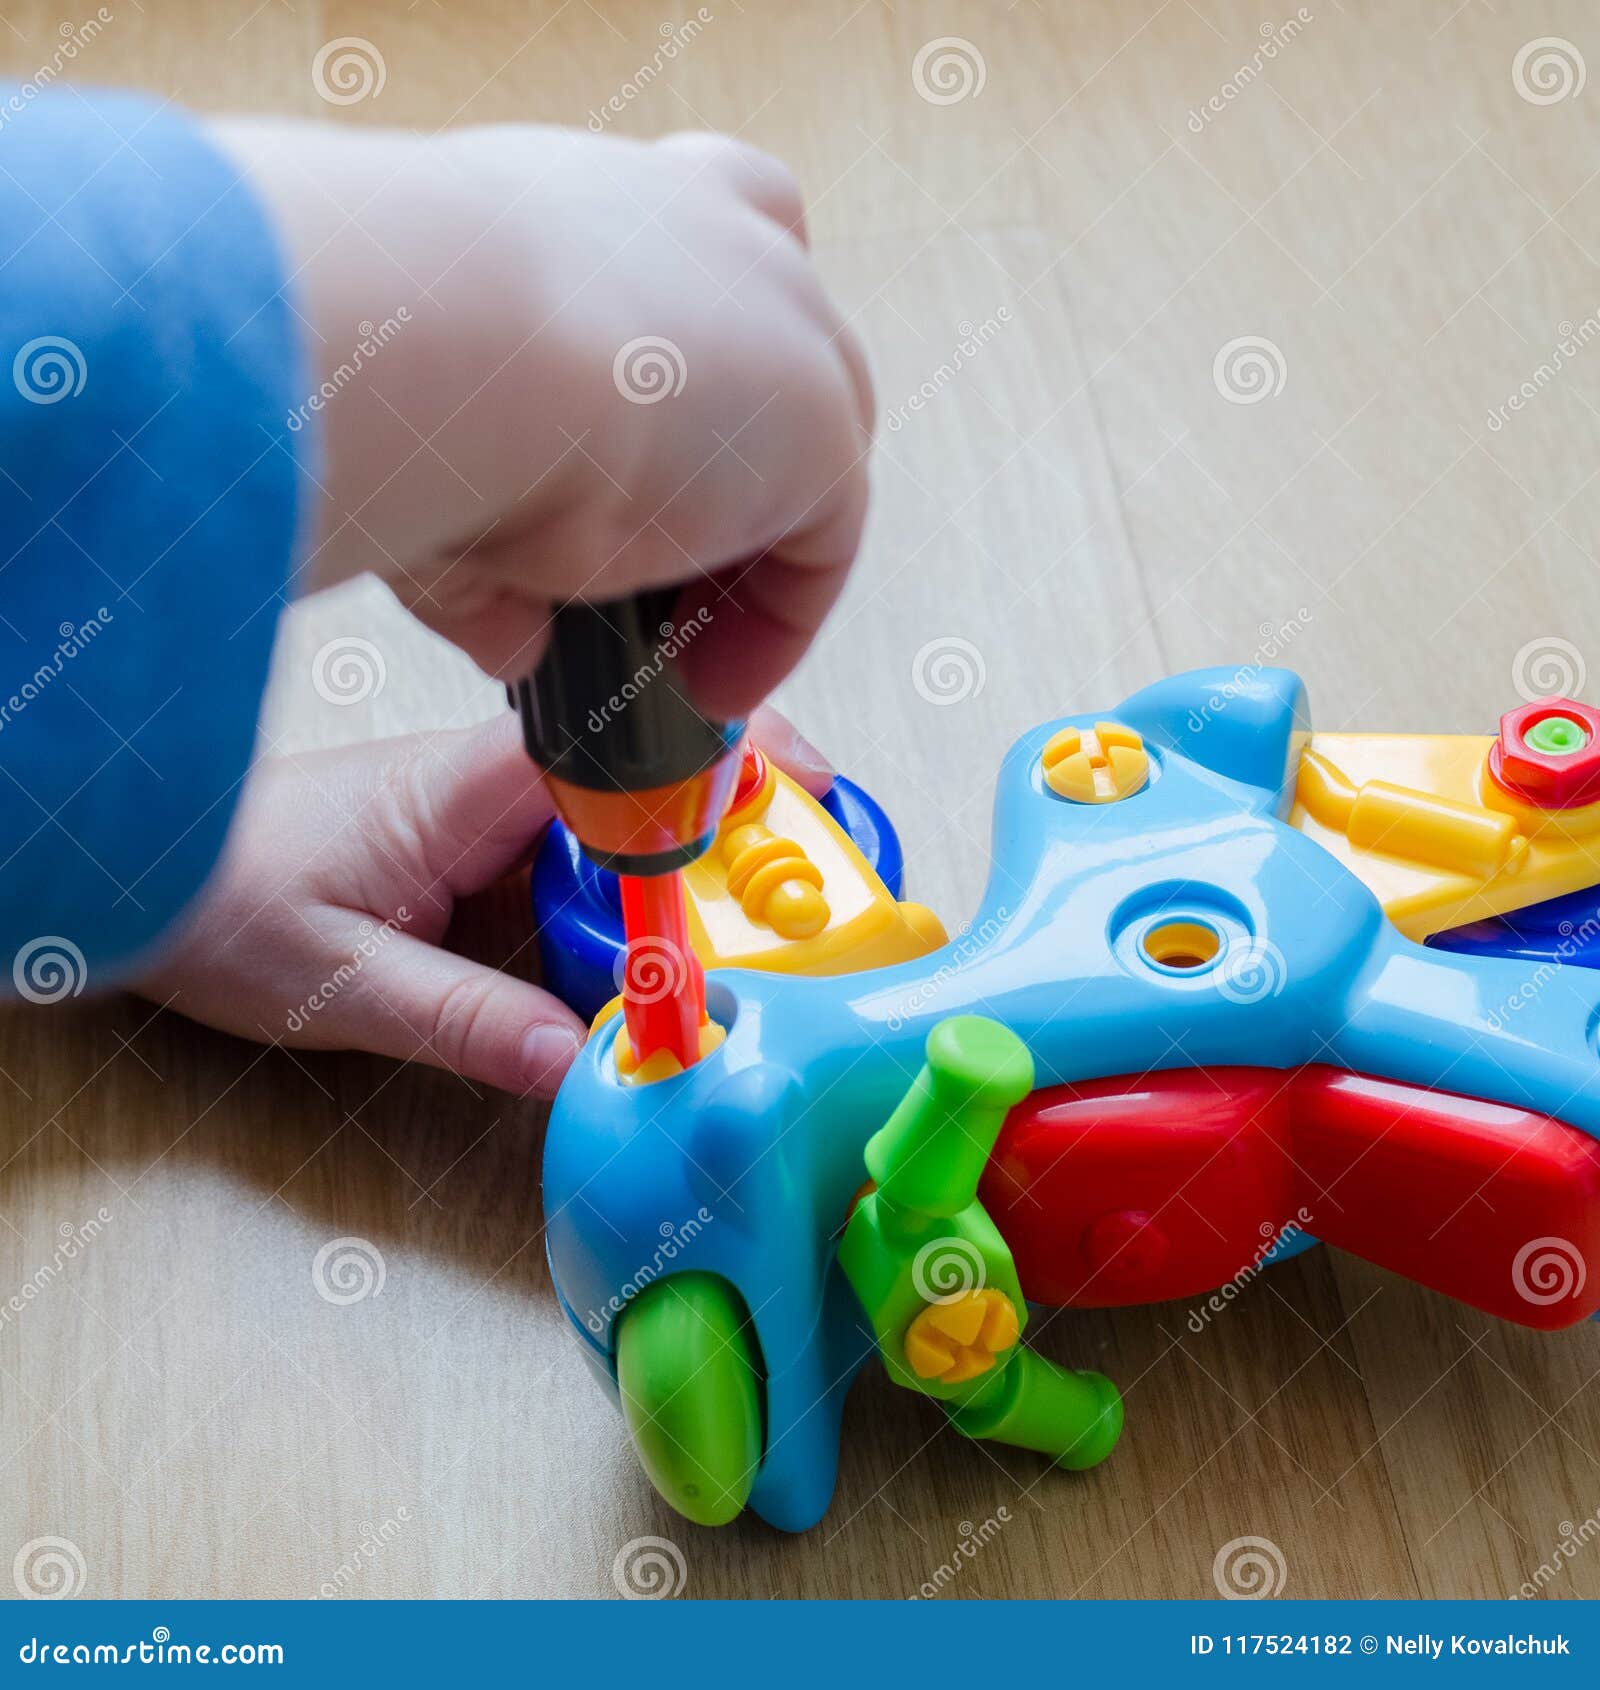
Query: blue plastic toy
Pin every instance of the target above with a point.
(1151, 912)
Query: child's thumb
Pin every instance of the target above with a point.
(423, 1004)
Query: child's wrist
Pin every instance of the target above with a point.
(386, 256)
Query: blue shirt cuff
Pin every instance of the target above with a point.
(149, 479)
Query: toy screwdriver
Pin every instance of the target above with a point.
(642, 778)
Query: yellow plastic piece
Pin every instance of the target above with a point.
(1419, 819)
(659, 1064)
(957, 1339)
(1401, 821)
(1097, 766)
(774, 881)
(784, 889)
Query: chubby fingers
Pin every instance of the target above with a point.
(782, 742)
(471, 807)
(758, 617)
(502, 628)
(760, 614)
(420, 1003)
(757, 177)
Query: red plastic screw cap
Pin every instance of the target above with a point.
(752, 775)
(1125, 1248)
(1557, 768)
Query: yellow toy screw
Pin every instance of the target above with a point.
(1097, 765)
(775, 881)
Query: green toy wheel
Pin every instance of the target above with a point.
(687, 1373)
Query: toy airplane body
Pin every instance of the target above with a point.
(1180, 1031)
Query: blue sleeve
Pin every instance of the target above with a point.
(148, 500)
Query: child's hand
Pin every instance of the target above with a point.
(323, 925)
(561, 365)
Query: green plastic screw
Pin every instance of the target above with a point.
(934, 1275)
(930, 1154)
(1556, 736)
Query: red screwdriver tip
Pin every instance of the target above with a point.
(663, 986)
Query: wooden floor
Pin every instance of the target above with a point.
(1098, 203)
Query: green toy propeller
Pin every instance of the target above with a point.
(934, 1274)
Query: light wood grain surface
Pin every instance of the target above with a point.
(1083, 504)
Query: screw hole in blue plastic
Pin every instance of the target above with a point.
(1181, 945)
(1178, 931)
